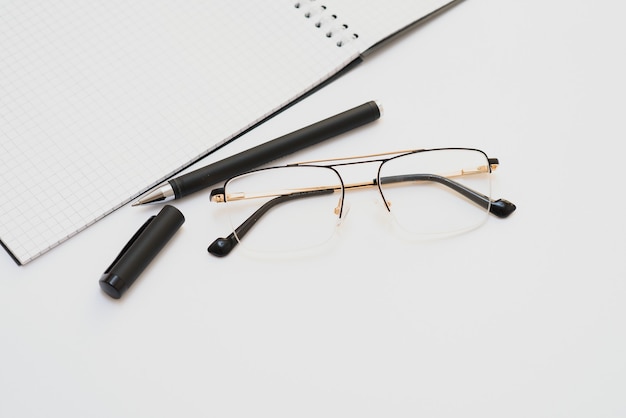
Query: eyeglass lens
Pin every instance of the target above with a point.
(424, 190)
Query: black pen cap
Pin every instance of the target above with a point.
(140, 250)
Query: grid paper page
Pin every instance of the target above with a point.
(101, 100)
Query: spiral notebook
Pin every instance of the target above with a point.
(102, 100)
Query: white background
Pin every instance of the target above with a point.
(522, 317)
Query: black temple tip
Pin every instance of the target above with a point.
(502, 208)
(221, 247)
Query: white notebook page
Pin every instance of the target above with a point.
(100, 100)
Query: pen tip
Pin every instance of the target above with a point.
(145, 199)
(161, 194)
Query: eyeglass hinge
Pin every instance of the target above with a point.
(217, 195)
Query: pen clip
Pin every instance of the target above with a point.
(130, 243)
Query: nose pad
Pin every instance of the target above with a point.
(342, 213)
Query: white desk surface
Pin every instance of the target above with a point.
(525, 317)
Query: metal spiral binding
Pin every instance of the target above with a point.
(327, 21)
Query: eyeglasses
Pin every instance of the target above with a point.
(428, 192)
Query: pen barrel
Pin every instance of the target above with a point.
(276, 148)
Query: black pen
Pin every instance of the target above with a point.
(221, 170)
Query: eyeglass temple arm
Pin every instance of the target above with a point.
(223, 246)
(500, 208)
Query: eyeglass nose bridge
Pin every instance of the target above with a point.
(354, 180)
